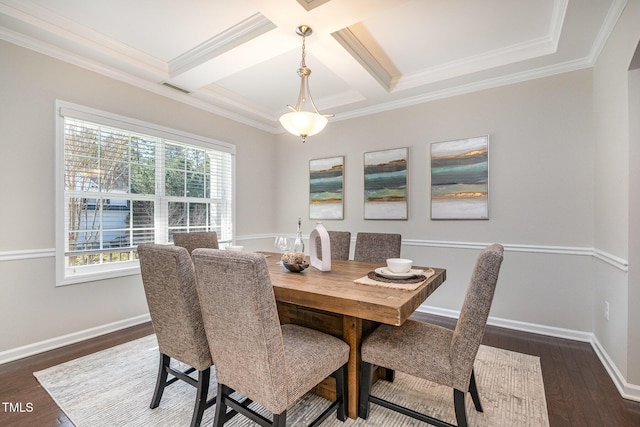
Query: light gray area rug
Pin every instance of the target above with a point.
(114, 388)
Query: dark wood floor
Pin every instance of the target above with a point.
(578, 389)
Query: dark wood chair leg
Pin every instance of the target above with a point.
(366, 373)
(473, 390)
(458, 403)
(341, 394)
(161, 382)
(389, 374)
(201, 397)
(221, 406)
(280, 420)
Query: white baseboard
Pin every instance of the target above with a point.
(61, 341)
(626, 390)
(516, 325)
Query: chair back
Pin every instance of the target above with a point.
(169, 284)
(242, 324)
(377, 247)
(194, 240)
(340, 245)
(474, 313)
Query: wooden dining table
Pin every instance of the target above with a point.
(331, 302)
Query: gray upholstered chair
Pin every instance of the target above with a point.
(270, 364)
(377, 247)
(198, 239)
(169, 284)
(434, 353)
(340, 242)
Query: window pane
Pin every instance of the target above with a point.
(143, 214)
(198, 214)
(195, 184)
(177, 214)
(175, 182)
(143, 179)
(143, 236)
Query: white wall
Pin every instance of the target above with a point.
(634, 224)
(33, 311)
(615, 195)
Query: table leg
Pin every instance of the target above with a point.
(352, 335)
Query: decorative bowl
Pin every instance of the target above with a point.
(399, 265)
(297, 267)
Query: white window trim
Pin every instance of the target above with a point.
(127, 268)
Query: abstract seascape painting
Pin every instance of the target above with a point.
(385, 184)
(326, 188)
(460, 179)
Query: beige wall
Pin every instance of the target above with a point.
(32, 309)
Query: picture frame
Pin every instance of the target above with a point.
(326, 188)
(460, 179)
(386, 184)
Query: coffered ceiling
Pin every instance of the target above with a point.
(239, 58)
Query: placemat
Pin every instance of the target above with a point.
(409, 284)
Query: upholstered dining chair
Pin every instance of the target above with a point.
(377, 247)
(169, 284)
(434, 353)
(197, 239)
(340, 242)
(270, 364)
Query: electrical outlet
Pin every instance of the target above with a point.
(606, 310)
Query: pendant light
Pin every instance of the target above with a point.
(299, 122)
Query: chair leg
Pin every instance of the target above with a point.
(458, 403)
(341, 394)
(161, 382)
(473, 390)
(201, 397)
(366, 373)
(280, 420)
(389, 375)
(221, 406)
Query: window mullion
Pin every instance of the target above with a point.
(161, 203)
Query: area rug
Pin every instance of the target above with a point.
(114, 388)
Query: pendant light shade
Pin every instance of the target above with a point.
(303, 123)
(299, 122)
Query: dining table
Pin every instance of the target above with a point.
(332, 302)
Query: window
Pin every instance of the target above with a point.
(123, 182)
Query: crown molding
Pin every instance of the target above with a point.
(463, 89)
(616, 9)
(252, 27)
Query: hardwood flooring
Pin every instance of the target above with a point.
(578, 389)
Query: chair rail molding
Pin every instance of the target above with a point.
(613, 260)
(27, 254)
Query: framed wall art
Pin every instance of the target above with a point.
(326, 188)
(460, 179)
(385, 184)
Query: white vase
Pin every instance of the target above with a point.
(323, 264)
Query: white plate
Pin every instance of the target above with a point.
(385, 272)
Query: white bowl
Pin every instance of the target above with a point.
(235, 248)
(399, 265)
